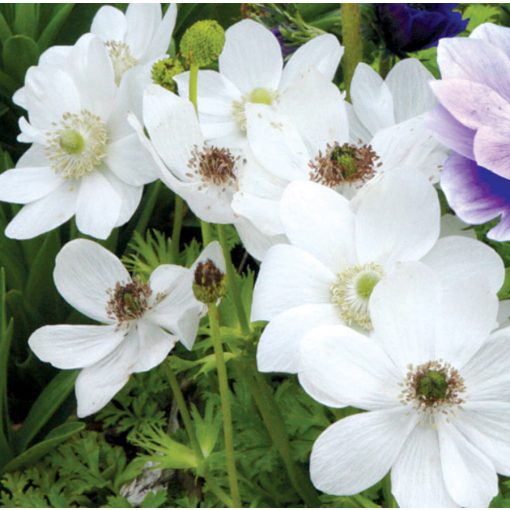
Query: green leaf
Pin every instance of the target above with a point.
(504, 292)
(53, 439)
(26, 19)
(55, 25)
(19, 53)
(7, 85)
(5, 31)
(48, 402)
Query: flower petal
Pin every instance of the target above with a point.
(143, 21)
(491, 150)
(131, 197)
(27, 184)
(494, 35)
(340, 366)
(320, 221)
(97, 385)
(417, 476)
(44, 214)
(98, 206)
(289, 277)
(322, 53)
(109, 24)
(469, 475)
(256, 242)
(278, 347)
(403, 228)
(154, 344)
(84, 273)
(161, 41)
(354, 453)
(70, 347)
(371, 98)
(251, 57)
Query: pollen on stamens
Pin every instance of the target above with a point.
(214, 165)
(351, 292)
(121, 57)
(344, 164)
(77, 145)
(128, 301)
(434, 386)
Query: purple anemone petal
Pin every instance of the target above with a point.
(492, 150)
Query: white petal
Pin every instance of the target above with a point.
(322, 53)
(264, 213)
(402, 228)
(84, 273)
(98, 206)
(348, 368)
(143, 21)
(493, 34)
(161, 40)
(289, 277)
(417, 476)
(214, 252)
(312, 94)
(153, 347)
(276, 143)
(173, 127)
(320, 221)
(460, 259)
(278, 347)
(70, 347)
(356, 452)
(256, 242)
(452, 225)
(109, 23)
(27, 184)
(251, 57)
(43, 215)
(486, 425)
(371, 98)
(130, 195)
(469, 475)
(504, 313)
(130, 161)
(404, 308)
(97, 385)
(408, 82)
(358, 132)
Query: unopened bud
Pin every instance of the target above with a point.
(209, 282)
(163, 72)
(202, 43)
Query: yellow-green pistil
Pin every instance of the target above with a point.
(71, 142)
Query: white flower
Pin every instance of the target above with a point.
(251, 71)
(396, 111)
(436, 385)
(136, 37)
(337, 256)
(85, 160)
(141, 321)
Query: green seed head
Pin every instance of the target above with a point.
(209, 282)
(261, 96)
(202, 43)
(366, 284)
(163, 72)
(345, 158)
(72, 142)
(432, 385)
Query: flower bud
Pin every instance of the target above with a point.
(209, 282)
(202, 43)
(163, 72)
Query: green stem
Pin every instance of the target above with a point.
(275, 425)
(176, 229)
(148, 208)
(388, 496)
(352, 41)
(385, 63)
(232, 283)
(206, 232)
(225, 404)
(218, 491)
(193, 85)
(364, 502)
(183, 409)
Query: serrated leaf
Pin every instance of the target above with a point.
(48, 402)
(53, 439)
(19, 53)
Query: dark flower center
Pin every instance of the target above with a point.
(128, 302)
(215, 165)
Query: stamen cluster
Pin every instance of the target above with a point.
(344, 164)
(129, 301)
(433, 386)
(121, 57)
(214, 165)
(208, 282)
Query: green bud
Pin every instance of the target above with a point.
(163, 72)
(209, 282)
(202, 43)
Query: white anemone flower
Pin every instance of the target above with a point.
(397, 109)
(251, 71)
(436, 384)
(141, 322)
(85, 160)
(338, 254)
(135, 37)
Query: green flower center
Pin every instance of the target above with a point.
(71, 142)
(432, 385)
(366, 283)
(261, 96)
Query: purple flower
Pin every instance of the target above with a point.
(413, 27)
(473, 119)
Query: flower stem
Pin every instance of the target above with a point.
(148, 208)
(364, 502)
(232, 283)
(176, 229)
(351, 39)
(225, 404)
(385, 63)
(388, 496)
(275, 425)
(193, 85)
